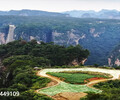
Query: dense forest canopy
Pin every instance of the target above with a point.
(55, 54)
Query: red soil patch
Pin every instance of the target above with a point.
(94, 78)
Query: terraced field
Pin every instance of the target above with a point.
(75, 77)
(62, 87)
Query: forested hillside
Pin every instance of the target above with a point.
(99, 36)
(19, 58)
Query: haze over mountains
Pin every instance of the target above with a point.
(26, 12)
(107, 14)
(104, 14)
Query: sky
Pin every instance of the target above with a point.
(59, 5)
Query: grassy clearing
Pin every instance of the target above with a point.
(65, 87)
(76, 77)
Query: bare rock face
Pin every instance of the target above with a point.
(117, 62)
(7, 37)
(70, 37)
(114, 58)
(74, 38)
(109, 62)
(32, 38)
(2, 38)
(75, 62)
(10, 36)
(95, 33)
(57, 37)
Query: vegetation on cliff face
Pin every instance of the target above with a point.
(99, 36)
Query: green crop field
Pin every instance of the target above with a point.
(74, 78)
(66, 87)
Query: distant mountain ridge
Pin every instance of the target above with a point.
(104, 14)
(27, 12)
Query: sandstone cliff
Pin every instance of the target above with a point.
(9, 37)
(114, 58)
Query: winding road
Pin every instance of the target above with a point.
(57, 81)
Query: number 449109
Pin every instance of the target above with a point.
(9, 93)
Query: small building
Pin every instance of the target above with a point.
(37, 68)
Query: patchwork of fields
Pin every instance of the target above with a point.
(67, 87)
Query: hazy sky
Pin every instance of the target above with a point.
(59, 5)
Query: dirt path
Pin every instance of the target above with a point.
(70, 95)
